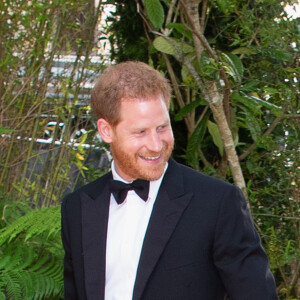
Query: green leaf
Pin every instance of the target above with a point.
(209, 68)
(171, 46)
(163, 45)
(195, 140)
(242, 101)
(45, 220)
(185, 74)
(293, 70)
(250, 166)
(216, 136)
(272, 107)
(254, 103)
(226, 6)
(244, 50)
(155, 12)
(250, 122)
(186, 109)
(233, 66)
(249, 86)
(13, 287)
(281, 55)
(181, 29)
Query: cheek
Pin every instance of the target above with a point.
(133, 145)
(168, 137)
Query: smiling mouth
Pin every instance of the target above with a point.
(150, 158)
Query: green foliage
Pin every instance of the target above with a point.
(45, 72)
(233, 66)
(45, 76)
(180, 28)
(34, 223)
(282, 253)
(5, 130)
(126, 33)
(172, 46)
(274, 195)
(227, 6)
(215, 133)
(195, 142)
(31, 256)
(209, 68)
(186, 109)
(155, 12)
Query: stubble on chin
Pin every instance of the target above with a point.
(153, 173)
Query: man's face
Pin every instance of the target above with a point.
(142, 142)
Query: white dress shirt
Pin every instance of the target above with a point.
(127, 224)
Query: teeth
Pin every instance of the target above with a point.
(151, 158)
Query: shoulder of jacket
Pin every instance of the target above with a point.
(95, 185)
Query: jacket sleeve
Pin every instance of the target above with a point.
(238, 254)
(69, 280)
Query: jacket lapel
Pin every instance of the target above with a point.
(168, 208)
(94, 230)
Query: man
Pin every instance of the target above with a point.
(190, 237)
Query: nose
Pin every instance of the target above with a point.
(154, 142)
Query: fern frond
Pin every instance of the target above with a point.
(32, 277)
(12, 288)
(4, 260)
(31, 257)
(15, 255)
(28, 257)
(2, 295)
(36, 222)
(46, 286)
(14, 210)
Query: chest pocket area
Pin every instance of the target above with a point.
(181, 256)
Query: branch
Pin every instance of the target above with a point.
(211, 52)
(203, 14)
(199, 35)
(277, 216)
(267, 132)
(203, 158)
(176, 90)
(170, 11)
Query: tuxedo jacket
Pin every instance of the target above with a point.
(200, 243)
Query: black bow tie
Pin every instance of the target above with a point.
(120, 189)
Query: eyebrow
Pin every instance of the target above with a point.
(137, 128)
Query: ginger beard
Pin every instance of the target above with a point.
(136, 165)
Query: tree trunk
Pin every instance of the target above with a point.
(217, 108)
(214, 97)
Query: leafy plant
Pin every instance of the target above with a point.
(31, 259)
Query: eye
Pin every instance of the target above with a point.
(162, 128)
(140, 132)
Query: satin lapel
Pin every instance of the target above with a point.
(168, 208)
(94, 229)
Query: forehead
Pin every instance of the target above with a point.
(140, 110)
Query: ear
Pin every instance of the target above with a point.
(105, 130)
